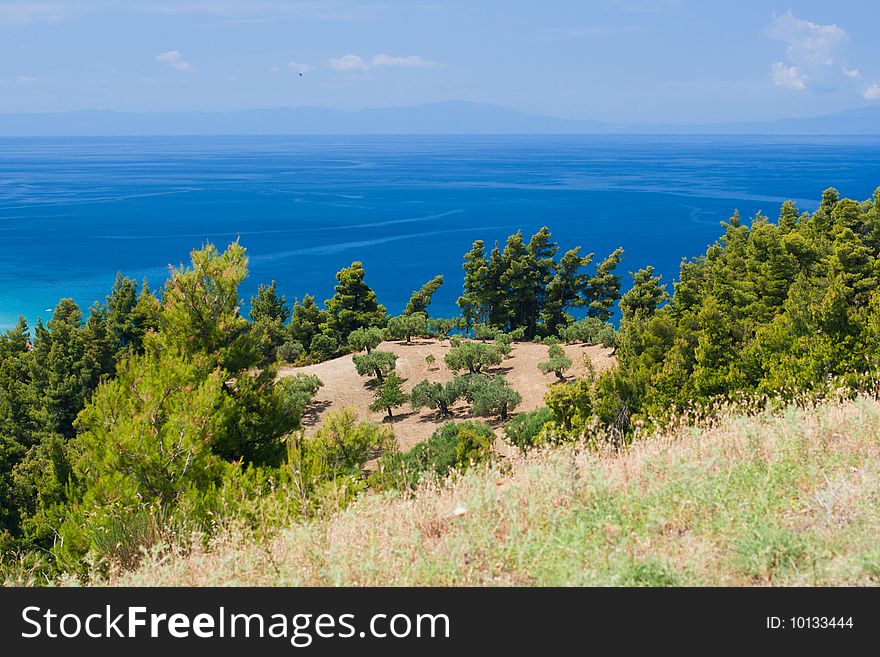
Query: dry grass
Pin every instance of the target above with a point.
(791, 498)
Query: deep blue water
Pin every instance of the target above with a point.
(73, 212)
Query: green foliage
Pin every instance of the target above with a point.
(436, 396)
(604, 287)
(430, 359)
(268, 306)
(524, 287)
(590, 330)
(454, 445)
(504, 343)
(442, 327)
(354, 304)
(290, 351)
(474, 357)
(770, 309)
(485, 332)
(365, 339)
(490, 395)
(558, 362)
(524, 429)
(269, 312)
(200, 312)
(474, 445)
(375, 363)
(571, 406)
(421, 299)
(306, 322)
(329, 465)
(297, 392)
(405, 327)
(389, 395)
(644, 297)
(323, 346)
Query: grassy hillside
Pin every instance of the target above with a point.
(791, 498)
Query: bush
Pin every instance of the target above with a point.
(591, 330)
(297, 392)
(329, 465)
(504, 344)
(524, 429)
(472, 356)
(491, 395)
(323, 346)
(405, 327)
(455, 444)
(485, 332)
(290, 351)
(442, 327)
(435, 395)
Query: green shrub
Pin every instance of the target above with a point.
(290, 351)
(454, 445)
(591, 330)
(524, 429)
(323, 346)
(471, 356)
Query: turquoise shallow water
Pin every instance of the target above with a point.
(73, 212)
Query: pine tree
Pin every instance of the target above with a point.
(604, 287)
(354, 304)
(565, 290)
(472, 301)
(306, 321)
(644, 297)
(268, 306)
(421, 299)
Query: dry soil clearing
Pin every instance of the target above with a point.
(343, 387)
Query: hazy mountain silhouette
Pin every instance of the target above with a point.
(449, 117)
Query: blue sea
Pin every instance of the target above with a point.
(73, 212)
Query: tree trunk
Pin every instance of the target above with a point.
(560, 375)
(390, 416)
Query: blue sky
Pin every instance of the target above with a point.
(612, 60)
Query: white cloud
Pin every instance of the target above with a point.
(787, 76)
(25, 79)
(300, 68)
(872, 92)
(356, 64)
(348, 63)
(851, 72)
(814, 55)
(175, 59)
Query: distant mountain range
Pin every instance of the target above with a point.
(449, 117)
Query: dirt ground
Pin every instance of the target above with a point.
(343, 387)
